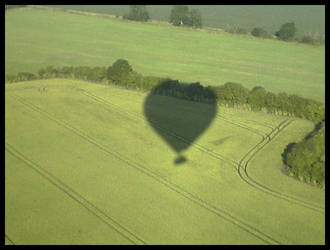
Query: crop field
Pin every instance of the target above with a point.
(37, 38)
(84, 166)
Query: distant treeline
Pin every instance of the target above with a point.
(180, 15)
(230, 94)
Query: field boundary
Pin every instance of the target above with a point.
(193, 198)
(91, 208)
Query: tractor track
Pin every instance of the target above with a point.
(193, 198)
(253, 130)
(237, 165)
(250, 181)
(169, 132)
(91, 208)
(253, 151)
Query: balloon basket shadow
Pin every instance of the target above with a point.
(180, 160)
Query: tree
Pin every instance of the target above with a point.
(195, 19)
(306, 159)
(270, 102)
(282, 102)
(179, 15)
(137, 13)
(286, 32)
(234, 94)
(257, 98)
(119, 71)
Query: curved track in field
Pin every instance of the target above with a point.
(247, 157)
(243, 173)
(186, 194)
(91, 208)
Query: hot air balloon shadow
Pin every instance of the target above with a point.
(180, 121)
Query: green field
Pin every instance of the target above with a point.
(83, 166)
(307, 18)
(37, 38)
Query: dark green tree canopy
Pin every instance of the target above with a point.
(179, 15)
(195, 18)
(119, 71)
(306, 159)
(286, 32)
(137, 13)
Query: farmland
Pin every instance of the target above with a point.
(96, 162)
(35, 38)
(89, 169)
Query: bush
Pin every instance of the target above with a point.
(119, 71)
(286, 32)
(25, 76)
(48, 72)
(259, 32)
(181, 15)
(311, 40)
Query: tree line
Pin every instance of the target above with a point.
(230, 94)
(287, 32)
(180, 15)
(305, 160)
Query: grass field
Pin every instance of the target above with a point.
(37, 38)
(83, 166)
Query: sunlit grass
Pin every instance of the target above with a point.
(106, 152)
